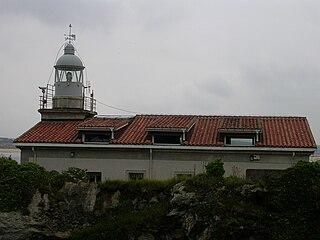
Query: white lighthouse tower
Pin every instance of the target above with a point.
(67, 99)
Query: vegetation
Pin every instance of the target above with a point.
(75, 175)
(215, 169)
(18, 182)
(294, 202)
(283, 207)
(127, 223)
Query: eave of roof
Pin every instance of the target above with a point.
(170, 147)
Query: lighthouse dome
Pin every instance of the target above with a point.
(69, 61)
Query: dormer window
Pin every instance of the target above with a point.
(170, 129)
(239, 137)
(97, 137)
(238, 140)
(166, 138)
(102, 129)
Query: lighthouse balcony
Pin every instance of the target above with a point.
(50, 101)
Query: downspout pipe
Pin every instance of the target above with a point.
(34, 155)
(292, 159)
(150, 163)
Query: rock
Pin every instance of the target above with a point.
(189, 222)
(146, 236)
(33, 207)
(180, 196)
(175, 212)
(83, 194)
(153, 200)
(14, 225)
(178, 234)
(206, 234)
(115, 199)
(246, 188)
(90, 198)
(46, 202)
(140, 205)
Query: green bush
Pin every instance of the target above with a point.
(215, 168)
(75, 175)
(295, 202)
(233, 181)
(18, 183)
(145, 185)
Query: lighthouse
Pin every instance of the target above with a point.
(68, 97)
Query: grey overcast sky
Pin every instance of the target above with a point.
(210, 57)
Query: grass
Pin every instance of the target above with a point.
(144, 185)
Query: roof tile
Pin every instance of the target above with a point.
(275, 131)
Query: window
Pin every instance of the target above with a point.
(167, 138)
(239, 140)
(97, 137)
(135, 175)
(184, 174)
(94, 176)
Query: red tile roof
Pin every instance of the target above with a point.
(104, 123)
(236, 122)
(274, 131)
(52, 132)
(172, 122)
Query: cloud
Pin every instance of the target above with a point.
(87, 14)
(200, 57)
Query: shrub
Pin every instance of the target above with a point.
(215, 168)
(75, 175)
(19, 182)
(295, 201)
(234, 181)
(126, 224)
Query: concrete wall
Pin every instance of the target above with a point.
(67, 102)
(158, 164)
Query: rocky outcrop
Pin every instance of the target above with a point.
(78, 205)
(55, 215)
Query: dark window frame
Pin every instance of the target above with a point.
(167, 138)
(136, 175)
(94, 176)
(97, 137)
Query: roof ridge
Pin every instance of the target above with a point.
(206, 115)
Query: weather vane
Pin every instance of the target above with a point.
(70, 37)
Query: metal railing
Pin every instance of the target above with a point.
(90, 104)
(47, 96)
(46, 99)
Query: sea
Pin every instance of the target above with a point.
(14, 154)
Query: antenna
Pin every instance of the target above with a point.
(70, 37)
